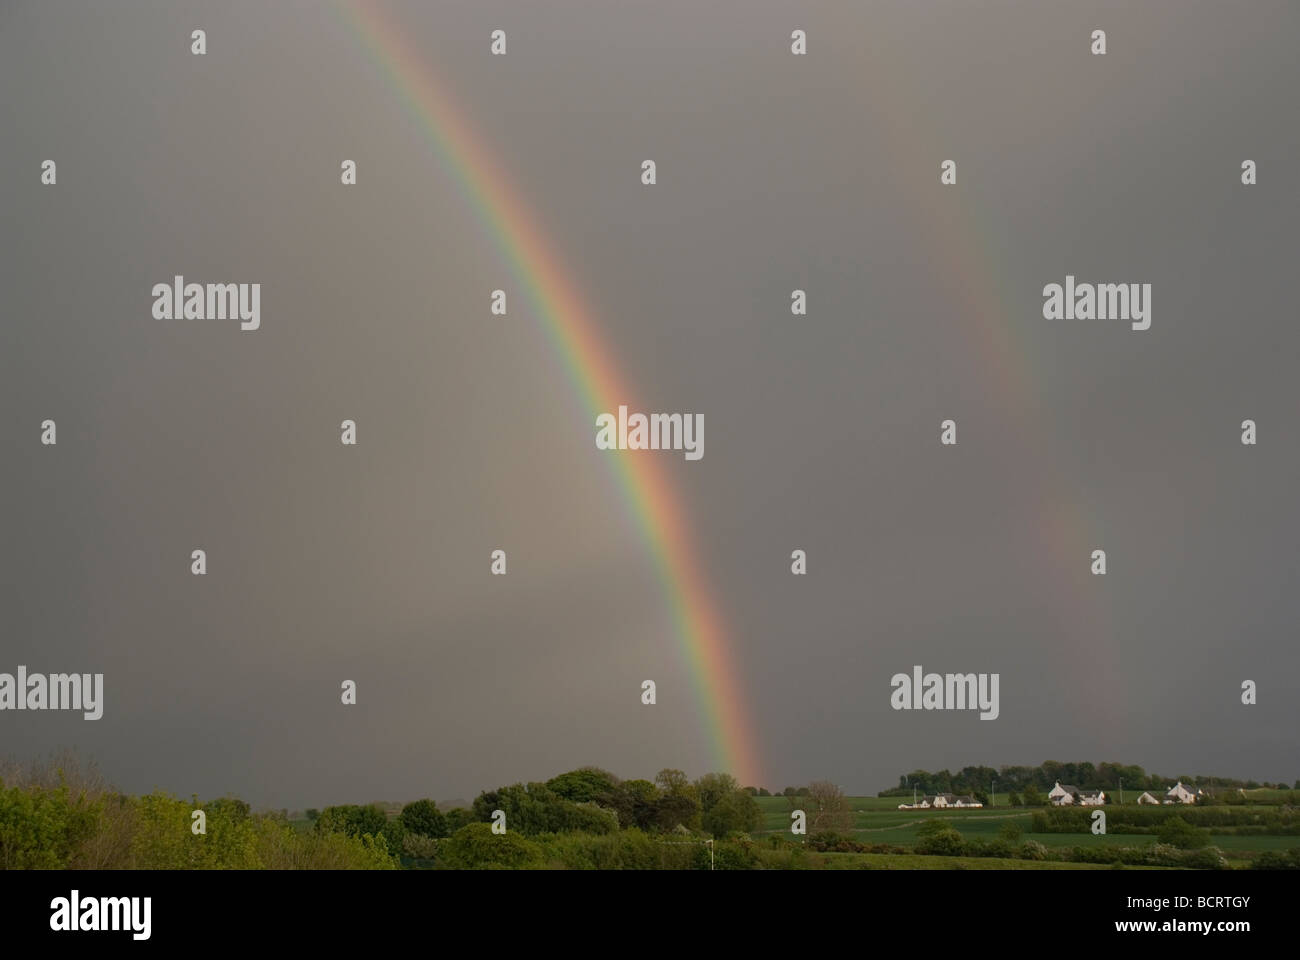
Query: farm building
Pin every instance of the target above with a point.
(1181, 794)
(1062, 794)
(942, 801)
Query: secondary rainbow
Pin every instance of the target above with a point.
(575, 337)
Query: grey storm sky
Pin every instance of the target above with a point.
(775, 172)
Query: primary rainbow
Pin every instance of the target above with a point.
(575, 337)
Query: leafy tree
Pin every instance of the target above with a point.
(584, 785)
(475, 847)
(1033, 798)
(713, 787)
(312, 814)
(535, 809)
(1015, 800)
(1011, 833)
(458, 817)
(1181, 834)
(352, 820)
(634, 802)
(678, 802)
(394, 834)
(423, 817)
(737, 812)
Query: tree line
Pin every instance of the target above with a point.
(980, 780)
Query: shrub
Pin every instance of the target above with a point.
(1033, 850)
(476, 847)
(938, 837)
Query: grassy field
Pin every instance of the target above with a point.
(908, 861)
(878, 820)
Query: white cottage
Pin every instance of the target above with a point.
(1181, 794)
(1147, 798)
(1062, 794)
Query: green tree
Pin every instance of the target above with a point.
(713, 787)
(458, 817)
(635, 803)
(475, 847)
(737, 812)
(584, 785)
(1180, 833)
(423, 817)
(352, 820)
(678, 802)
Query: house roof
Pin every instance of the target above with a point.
(1067, 787)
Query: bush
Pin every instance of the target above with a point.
(938, 837)
(1033, 850)
(1179, 833)
(476, 847)
(417, 846)
(1207, 858)
(1277, 860)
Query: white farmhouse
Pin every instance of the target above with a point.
(941, 801)
(1062, 794)
(1147, 798)
(1181, 794)
(1091, 798)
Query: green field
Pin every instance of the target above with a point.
(878, 820)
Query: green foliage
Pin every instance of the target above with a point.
(1278, 860)
(458, 817)
(725, 806)
(678, 802)
(584, 785)
(535, 809)
(352, 820)
(735, 812)
(282, 848)
(630, 849)
(40, 829)
(394, 834)
(1179, 833)
(635, 803)
(476, 847)
(424, 818)
(1011, 832)
(163, 839)
(939, 837)
(1033, 850)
